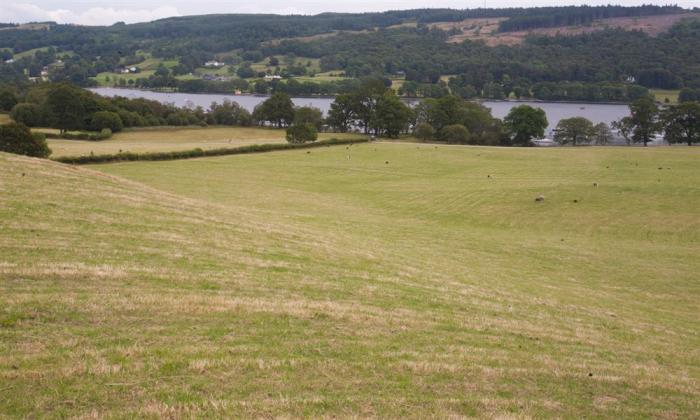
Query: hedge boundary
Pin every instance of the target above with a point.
(198, 153)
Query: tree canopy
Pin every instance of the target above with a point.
(525, 123)
(574, 131)
(681, 123)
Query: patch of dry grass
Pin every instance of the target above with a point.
(166, 139)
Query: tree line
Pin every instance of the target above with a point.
(548, 17)
(373, 108)
(678, 123)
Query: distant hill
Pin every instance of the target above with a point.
(424, 52)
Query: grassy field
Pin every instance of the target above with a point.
(264, 65)
(148, 68)
(385, 279)
(166, 139)
(4, 118)
(662, 95)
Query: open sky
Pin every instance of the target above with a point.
(106, 12)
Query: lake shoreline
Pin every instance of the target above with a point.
(407, 98)
(556, 111)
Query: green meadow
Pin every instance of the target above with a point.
(377, 280)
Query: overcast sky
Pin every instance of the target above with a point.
(106, 12)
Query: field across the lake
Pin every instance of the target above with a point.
(169, 139)
(374, 280)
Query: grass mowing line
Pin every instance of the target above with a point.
(317, 285)
(196, 153)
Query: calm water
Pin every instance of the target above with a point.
(555, 111)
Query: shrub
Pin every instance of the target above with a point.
(455, 134)
(29, 114)
(106, 119)
(16, 138)
(424, 131)
(7, 100)
(105, 133)
(131, 119)
(302, 133)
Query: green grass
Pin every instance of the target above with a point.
(333, 283)
(322, 77)
(169, 139)
(111, 79)
(148, 68)
(662, 95)
(30, 53)
(264, 64)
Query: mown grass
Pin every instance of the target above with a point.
(366, 280)
(169, 139)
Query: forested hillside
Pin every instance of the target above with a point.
(326, 53)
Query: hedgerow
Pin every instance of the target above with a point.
(197, 153)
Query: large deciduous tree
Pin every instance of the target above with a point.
(391, 116)
(644, 120)
(682, 123)
(574, 131)
(341, 115)
(525, 123)
(602, 134)
(365, 100)
(65, 108)
(455, 134)
(277, 109)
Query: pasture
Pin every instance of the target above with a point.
(382, 279)
(168, 139)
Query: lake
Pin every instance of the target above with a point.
(556, 111)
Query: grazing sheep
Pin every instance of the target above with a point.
(539, 199)
(387, 162)
(595, 184)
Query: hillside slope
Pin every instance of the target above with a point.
(383, 279)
